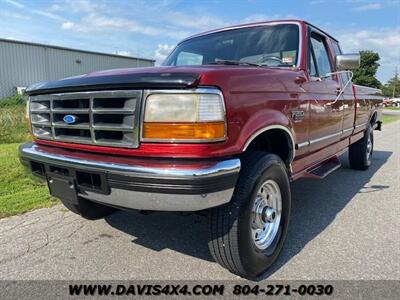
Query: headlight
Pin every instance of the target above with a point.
(191, 117)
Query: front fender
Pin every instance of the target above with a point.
(261, 121)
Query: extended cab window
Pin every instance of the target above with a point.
(267, 45)
(319, 56)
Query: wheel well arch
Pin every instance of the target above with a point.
(275, 139)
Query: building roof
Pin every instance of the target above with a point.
(72, 49)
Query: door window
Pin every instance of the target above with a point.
(319, 53)
(312, 65)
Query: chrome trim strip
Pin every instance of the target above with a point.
(302, 145)
(161, 202)
(258, 132)
(201, 90)
(348, 129)
(136, 199)
(305, 144)
(361, 125)
(35, 152)
(326, 137)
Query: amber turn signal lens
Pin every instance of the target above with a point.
(184, 131)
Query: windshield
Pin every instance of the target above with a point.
(266, 45)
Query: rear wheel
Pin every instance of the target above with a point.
(247, 234)
(360, 153)
(88, 209)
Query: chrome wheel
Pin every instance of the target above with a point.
(266, 214)
(369, 147)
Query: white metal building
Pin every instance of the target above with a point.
(24, 63)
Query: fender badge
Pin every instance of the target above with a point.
(297, 115)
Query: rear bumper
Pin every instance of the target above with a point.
(137, 183)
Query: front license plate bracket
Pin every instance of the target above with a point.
(63, 188)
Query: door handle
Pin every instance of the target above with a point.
(300, 80)
(338, 93)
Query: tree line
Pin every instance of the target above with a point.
(365, 75)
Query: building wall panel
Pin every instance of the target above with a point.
(22, 64)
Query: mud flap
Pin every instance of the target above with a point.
(378, 126)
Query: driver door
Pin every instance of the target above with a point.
(326, 115)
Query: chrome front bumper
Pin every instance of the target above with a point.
(137, 183)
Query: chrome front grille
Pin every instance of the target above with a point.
(106, 118)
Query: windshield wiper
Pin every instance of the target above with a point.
(218, 61)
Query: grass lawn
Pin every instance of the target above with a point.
(12, 125)
(392, 108)
(389, 118)
(19, 190)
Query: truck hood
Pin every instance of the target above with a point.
(159, 77)
(149, 77)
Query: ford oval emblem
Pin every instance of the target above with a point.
(69, 119)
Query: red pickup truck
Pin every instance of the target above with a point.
(230, 119)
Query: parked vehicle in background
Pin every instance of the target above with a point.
(231, 118)
(391, 102)
(387, 102)
(396, 102)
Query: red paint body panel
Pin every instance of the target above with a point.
(256, 97)
(135, 161)
(151, 149)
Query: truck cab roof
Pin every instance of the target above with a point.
(261, 23)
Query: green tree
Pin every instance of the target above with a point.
(392, 87)
(365, 75)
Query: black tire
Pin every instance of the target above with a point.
(231, 243)
(360, 153)
(88, 209)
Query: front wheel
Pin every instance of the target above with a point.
(247, 234)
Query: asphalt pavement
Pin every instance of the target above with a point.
(346, 226)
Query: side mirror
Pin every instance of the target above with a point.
(346, 62)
